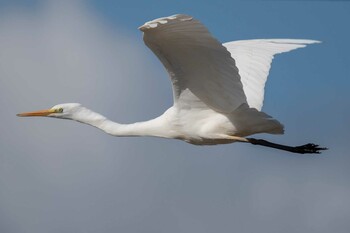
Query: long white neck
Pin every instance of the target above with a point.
(156, 127)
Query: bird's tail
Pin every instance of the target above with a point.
(250, 121)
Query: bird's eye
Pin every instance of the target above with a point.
(60, 110)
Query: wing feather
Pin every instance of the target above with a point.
(253, 59)
(202, 71)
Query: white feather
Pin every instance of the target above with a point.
(201, 69)
(253, 59)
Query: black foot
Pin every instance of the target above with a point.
(309, 148)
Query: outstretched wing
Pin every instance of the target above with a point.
(253, 59)
(202, 71)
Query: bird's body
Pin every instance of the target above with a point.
(218, 89)
(208, 127)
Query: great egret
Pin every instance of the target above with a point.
(218, 89)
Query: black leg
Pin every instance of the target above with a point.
(304, 149)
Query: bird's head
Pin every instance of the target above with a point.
(65, 111)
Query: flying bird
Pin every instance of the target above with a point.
(218, 89)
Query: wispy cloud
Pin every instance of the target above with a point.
(60, 52)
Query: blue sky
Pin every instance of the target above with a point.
(61, 176)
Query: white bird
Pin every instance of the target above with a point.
(218, 89)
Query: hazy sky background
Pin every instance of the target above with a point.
(61, 176)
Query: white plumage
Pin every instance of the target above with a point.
(253, 59)
(218, 89)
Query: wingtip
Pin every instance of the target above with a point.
(164, 20)
(315, 41)
(296, 41)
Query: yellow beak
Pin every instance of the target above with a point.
(36, 113)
